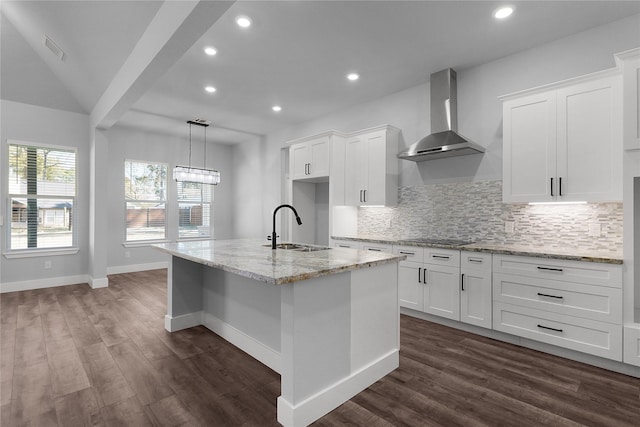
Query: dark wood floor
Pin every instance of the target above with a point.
(75, 356)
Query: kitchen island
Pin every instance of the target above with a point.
(327, 320)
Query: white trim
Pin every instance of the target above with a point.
(183, 321)
(100, 282)
(246, 343)
(323, 402)
(49, 282)
(120, 269)
(32, 253)
(139, 244)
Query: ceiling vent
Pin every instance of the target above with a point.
(53, 47)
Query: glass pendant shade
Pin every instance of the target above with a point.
(198, 175)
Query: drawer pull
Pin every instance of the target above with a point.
(424, 276)
(440, 256)
(551, 329)
(550, 269)
(479, 261)
(419, 274)
(374, 250)
(462, 281)
(344, 246)
(407, 253)
(550, 296)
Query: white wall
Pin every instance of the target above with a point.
(132, 144)
(40, 125)
(479, 118)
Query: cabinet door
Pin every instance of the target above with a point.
(355, 169)
(442, 291)
(475, 298)
(376, 173)
(529, 148)
(319, 161)
(299, 158)
(410, 288)
(590, 141)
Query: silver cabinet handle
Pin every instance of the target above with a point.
(478, 260)
(549, 328)
(424, 276)
(462, 281)
(364, 192)
(419, 274)
(407, 253)
(550, 296)
(440, 256)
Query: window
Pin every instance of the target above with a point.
(194, 209)
(42, 197)
(145, 193)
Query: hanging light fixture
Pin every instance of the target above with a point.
(200, 175)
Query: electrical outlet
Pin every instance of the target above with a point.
(127, 254)
(388, 223)
(509, 226)
(47, 265)
(595, 229)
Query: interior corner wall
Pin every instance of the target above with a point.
(134, 144)
(39, 125)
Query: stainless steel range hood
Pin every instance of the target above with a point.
(444, 140)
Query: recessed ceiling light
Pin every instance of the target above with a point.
(353, 76)
(503, 12)
(210, 89)
(243, 21)
(210, 50)
(276, 108)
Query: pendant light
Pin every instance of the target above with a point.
(199, 175)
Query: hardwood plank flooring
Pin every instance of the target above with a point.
(73, 356)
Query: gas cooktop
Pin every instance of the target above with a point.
(448, 242)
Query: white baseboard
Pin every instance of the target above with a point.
(100, 282)
(183, 321)
(244, 342)
(314, 407)
(121, 269)
(49, 282)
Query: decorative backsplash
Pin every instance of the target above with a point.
(474, 211)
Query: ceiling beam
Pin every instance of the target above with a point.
(174, 29)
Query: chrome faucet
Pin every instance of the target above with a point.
(273, 235)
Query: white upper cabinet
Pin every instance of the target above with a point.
(630, 61)
(371, 167)
(564, 142)
(309, 159)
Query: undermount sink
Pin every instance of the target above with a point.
(298, 247)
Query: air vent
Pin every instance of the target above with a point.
(53, 47)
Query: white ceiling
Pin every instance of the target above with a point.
(296, 54)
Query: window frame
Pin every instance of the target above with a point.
(211, 212)
(146, 242)
(73, 249)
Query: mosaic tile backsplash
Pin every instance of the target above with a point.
(474, 211)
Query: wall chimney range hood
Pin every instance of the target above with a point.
(444, 140)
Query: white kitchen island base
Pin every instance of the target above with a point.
(329, 337)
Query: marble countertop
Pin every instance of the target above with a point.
(549, 252)
(251, 258)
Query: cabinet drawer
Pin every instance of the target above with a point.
(412, 253)
(587, 301)
(593, 273)
(445, 257)
(477, 261)
(346, 244)
(589, 336)
(377, 247)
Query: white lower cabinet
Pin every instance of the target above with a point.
(442, 291)
(410, 288)
(571, 304)
(475, 288)
(632, 344)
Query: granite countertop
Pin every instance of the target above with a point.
(250, 258)
(549, 252)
